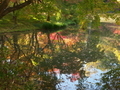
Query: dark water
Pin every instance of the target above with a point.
(68, 60)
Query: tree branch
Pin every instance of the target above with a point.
(4, 5)
(11, 9)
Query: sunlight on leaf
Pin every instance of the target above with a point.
(34, 63)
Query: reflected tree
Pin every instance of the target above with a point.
(34, 56)
(111, 79)
(31, 56)
(110, 46)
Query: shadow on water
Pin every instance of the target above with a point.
(56, 61)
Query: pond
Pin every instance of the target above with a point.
(71, 59)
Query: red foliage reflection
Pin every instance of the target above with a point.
(69, 40)
(54, 70)
(75, 76)
(56, 36)
(116, 32)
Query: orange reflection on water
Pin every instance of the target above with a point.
(116, 32)
(69, 40)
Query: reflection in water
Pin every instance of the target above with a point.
(37, 61)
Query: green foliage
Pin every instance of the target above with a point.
(117, 20)
(50, 27)
(81, 12)
(91, 10)
(96, 22)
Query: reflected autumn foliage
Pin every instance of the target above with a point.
(30, 56)
(54, 70)
(69, 40)
(36, 58)
(117, 32)
(75, 76)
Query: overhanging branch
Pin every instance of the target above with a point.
(3, 5)
(11, 9)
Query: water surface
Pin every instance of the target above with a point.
(71, 59)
